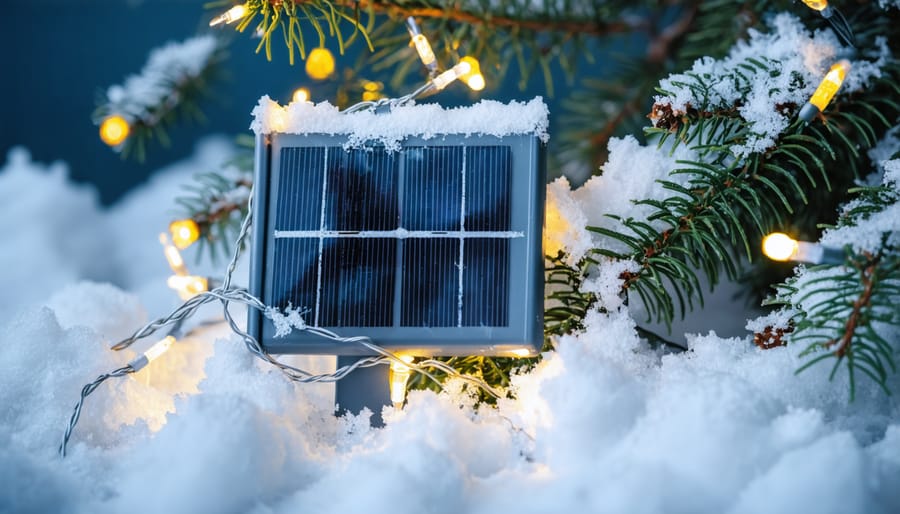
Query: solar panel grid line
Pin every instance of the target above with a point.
(462, 241)
(398, 261)
(321, 239)
(398, 234)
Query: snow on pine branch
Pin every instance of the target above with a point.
(147, 96)
(797, 59)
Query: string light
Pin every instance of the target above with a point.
(114, 130)
(152, 353)
(826, 90)
(184, 232)
(779, 246)
(474, 79)
(301, 94)
(188, 286)
(320, 64)
(782, 247)
(173, 256)
(521, 353)
(372, 91)
(423, 47)
(231, 15)
(400, 373)
(444, 79)
(278, 119)
(816, 5)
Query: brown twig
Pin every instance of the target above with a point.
(586, 25)
(853, 321)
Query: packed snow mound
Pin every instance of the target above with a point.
(603, 425)
(487, 117)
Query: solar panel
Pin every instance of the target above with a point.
(433, 248)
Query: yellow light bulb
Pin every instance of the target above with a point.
(817, 5)
(423, 47)
(188, 286)
(152, 353)
(173, 256)
(400, 374)
(278, 119)
(159, 348)
(301, 94)
(444, 79)
(830, 84)
(320, 64)
(473, 78)
(231, 15)
(780, 247)
(184, 232)
(521, 352)
(114, 130)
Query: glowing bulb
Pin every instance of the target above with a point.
(473, 78)
(780, 247)
(159, 348)
(400, 374)
(826, 90)
(152, 353)
(173, 256)
(114, 130)
(184, 232)
(521, 353)
(301, 94)
(320, 64)
(423, 47)
(188, 286)
(231, 15)
(817, 5)
(444, 79)
(830, 84)
(278, 119)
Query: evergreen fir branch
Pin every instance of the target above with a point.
(338, 15)
(166, 90)
(217, 202)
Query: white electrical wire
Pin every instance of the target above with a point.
(226, 293)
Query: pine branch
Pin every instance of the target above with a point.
(167, 88)
(217, 202)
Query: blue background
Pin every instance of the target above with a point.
(62, 55)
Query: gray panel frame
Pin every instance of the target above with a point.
(526, 272)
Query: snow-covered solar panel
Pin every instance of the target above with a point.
(430, 245)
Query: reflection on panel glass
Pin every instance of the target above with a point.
(453, 272)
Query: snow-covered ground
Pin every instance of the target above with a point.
(602, 425)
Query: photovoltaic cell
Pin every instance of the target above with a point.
(300, 189)
(488, 170)
(430, 292)
(362, 190)
(432, 188)
(357, 282)
(485, 294)
(296, 266)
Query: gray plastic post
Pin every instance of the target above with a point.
(364, 387)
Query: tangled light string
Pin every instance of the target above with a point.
(226, 293)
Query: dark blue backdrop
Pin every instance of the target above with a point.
(60, 55)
